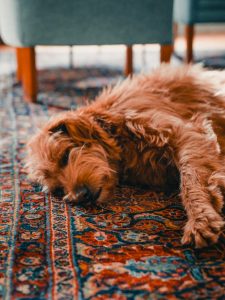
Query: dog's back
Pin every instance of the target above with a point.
(182, 90)
(185, 92)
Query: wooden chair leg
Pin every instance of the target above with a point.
(19, 64)
(129, 61)
(175, 30)
(165, 53)
(29, 75)
(189, 34)
(175, 34)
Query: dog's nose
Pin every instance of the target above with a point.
(83, 195)
(58, 192)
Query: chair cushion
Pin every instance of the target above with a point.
(85, 22)
(199, 11)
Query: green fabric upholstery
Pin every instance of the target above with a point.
(85, 22)
(199, 11)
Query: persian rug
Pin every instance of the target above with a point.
(128, 248)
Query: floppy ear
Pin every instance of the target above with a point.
(79, 128)
(84, 130)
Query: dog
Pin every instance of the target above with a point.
(163, 131)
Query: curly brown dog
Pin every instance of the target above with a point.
(160, 131)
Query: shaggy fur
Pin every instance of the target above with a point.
(161, 131)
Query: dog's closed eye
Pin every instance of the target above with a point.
(65, 158)
(60, 128)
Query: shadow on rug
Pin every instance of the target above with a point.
(127, 249)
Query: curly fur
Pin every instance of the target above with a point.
(163, 131)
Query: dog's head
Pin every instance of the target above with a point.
(73, 153)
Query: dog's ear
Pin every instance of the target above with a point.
(84, 130)
(79, 128)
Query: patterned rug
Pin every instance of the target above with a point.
(128, 248)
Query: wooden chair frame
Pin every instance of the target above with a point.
(189, 38)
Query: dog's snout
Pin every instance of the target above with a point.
(58, 192)
(79, 195)
(82, 194)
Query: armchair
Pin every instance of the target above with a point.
(25, 24)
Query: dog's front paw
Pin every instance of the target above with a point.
(203, 230)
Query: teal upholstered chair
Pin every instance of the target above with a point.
(27, 23)
(191, 12)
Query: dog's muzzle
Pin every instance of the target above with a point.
(82, 195)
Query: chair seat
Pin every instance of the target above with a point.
(208, 11)
(27, 23)
(199, 11)
(85, 22)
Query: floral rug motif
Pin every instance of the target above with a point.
(128, 248)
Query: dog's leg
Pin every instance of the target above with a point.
(197, 157)
(204, 221)
(199, 164)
